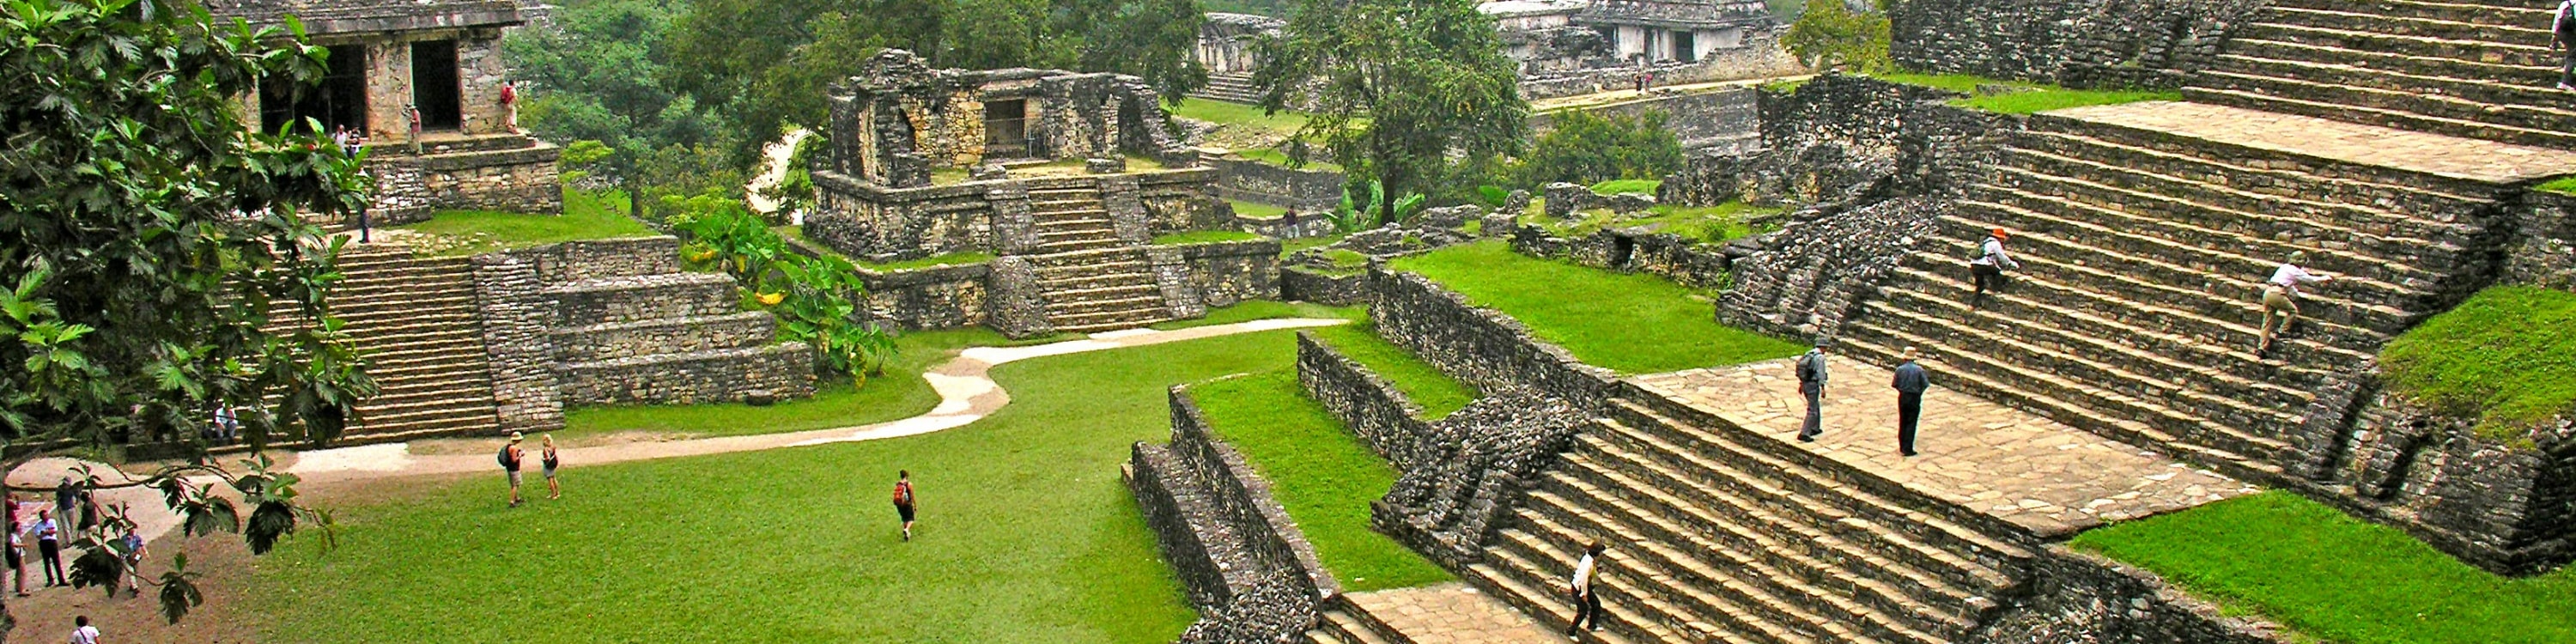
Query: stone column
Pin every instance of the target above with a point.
(1126, 206)
(1015, 229)
(516, 316)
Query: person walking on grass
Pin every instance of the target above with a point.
(903, 500)
(2562, 37)
(49, 547)
(1987, 269)
(548, 458)
(511, 457)
(2281, 298)
(1811, 383)
(1587, 600)
(1910, 383)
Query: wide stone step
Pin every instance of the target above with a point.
(1071, 227)
(2381, 117)
(2534, 54)
(2346, 19)
(1721, 496)
(2297, 361)
(2227, 208)
(2101, 224)
(2113, 295)
(2390, 91)
(2270, 171)
(1067, 309)
(1095, 281)
(1698, 609)
(1340, 626)
(1143, 287)
(2343, 252)
(2545, 77)
(2507, 13)
(396, 307)
(2533, 88)
(2085, 409)
(1121, 314)
(2042, 251)
(635, 299)
(461, 413)
(1509, 576)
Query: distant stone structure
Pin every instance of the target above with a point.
(1033, 166)
(442, 57)
(1227, 48)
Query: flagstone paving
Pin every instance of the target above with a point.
(1451, 613)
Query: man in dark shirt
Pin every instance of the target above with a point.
(1811, 384)
(1910, 383)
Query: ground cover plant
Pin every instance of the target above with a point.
(586, 215)
(2561, 185)
(2507, 357)
(1249, 310)
(2334, 577)
(2026, 97)
(900, 393)
(1027, 535)
(1627, 186)
(1625, 322)
(1319, 472)
(1436, 392)
(1256, 210)
(1706, 224)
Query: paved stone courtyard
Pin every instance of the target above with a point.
(1451, 613)
(2352, 142)
(2046, 477)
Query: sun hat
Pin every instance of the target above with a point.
(515, 437)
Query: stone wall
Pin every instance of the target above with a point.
(2543, 253)
(1182, 200)
(1259, 182)
(1725, 121)
(2083, 598)
(1471, 467)
(522, 180)
(939, 297)
(897, 119)
(1383, 417)
(2502, 501)
(1197, 277)
(2079, 43)
(1241, 559)
(779, 371)
(601, 258)
(1480, 347)
(1334, 289)
(1685, 261)
(876, 223)
(625, 325)
(657, 337)
(1760, 57)
(509, 296)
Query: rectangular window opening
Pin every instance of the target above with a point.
(339, 100)
(434, 85)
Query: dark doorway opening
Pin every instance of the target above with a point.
(434, 86)
(1685, 47)
(1622, 249)
(1006, 129)
(340, 100)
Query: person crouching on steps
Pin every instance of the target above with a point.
(1987, 270)
(1587, 600)
(2281, 298)
(903, 500)
(511, 456)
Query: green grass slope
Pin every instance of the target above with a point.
(2507, 356)
(1321, 474)
(1625, 322)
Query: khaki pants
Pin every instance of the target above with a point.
(2279, 305)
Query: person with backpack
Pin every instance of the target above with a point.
(551, 461)
(1987, 268)
(903, 500)
(2281, 297)
(1587, 600)
(1811, 383)
(2562, 38)
(1910, 384)
(510, 458)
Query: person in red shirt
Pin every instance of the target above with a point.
(510, 104)
(903, 500)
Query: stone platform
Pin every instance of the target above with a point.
(2032, 472)
(2461, 158)
(1449, 613)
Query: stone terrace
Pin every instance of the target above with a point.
(2473, 68)
(1448, 613)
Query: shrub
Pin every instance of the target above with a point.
(1586, 148)
(813, 297)
(1831, 34)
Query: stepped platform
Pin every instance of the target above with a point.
(2046, 479)
(1450, 613)
(2474, 160)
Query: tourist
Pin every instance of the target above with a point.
(82, 632)
(369, 181)
(1587, 601)
(17, 548)
(133, 546)
(340, 138)
(89, 514)
(411, 119)
(1811, 383)
(65, 498)
(2281, 297)
(49, 547)
(1987, 270)
(903, 500)
(2562, 37)
(510, 458)
(510, 105)
(1910, 383)
(227, 425)
(551, 462)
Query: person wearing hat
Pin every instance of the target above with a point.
(1910, 383)
(1811, 383)
(510, 458)
(2281, 297)
(1987, 270)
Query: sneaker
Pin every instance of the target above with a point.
(2567, 87)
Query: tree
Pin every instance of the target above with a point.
(1830, 34)
(162, 263)
(1405, 93)
(593, 75)
(1586, 148)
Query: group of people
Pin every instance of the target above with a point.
(512, 457)
(48, 527)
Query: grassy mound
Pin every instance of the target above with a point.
(2507, 357)
(1627, 323)
(1321, 474)
(1436, 392)
(2031, 97)
(586, 215)
(2340, 579)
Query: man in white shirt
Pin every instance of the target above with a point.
(1587, 603)
(82, 632)
(2281, 297)
(1987, 270)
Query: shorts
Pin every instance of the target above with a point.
(904, 509)
(514, 478)
(550, 472)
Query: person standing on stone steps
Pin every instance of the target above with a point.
(2281, 297)
(1587, 601)
(1811, 383)
(1987, 269)
(2562, 37)
(1910, 383)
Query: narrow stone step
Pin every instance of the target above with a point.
(2045, 250)
(1620, 623)
(1072, 310)
(1701, 610)
(2387, 91)
(2145, 327)
(2276, 171)
(2382, 117)
(2409, 25)
(2535, 54)
(2533, 90)
(2227, 210)
(2211, 316)
(2506, 14)
(2061, 221)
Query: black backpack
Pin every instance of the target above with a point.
(505, 459)
(1807, 368)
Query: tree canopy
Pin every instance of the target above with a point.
(1588, 148)
(1405, 94)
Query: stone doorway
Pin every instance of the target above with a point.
(1685, 46)
(434, 85)
(339, 100)
(1006, 129)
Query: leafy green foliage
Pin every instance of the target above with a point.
(2335, 578)
(1409, 95)
(1658, 326)
(2561, 185)
(1588, 148)
(2506, 357)
(1830, 34)
(1320, 473)
(814, 297)
(592, 73)
(1628, 187)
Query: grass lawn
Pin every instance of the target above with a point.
(1240, 114)
(1627, 186)
(586, 215)
(2333, 577)
(1275, 157)
(1027, 534)
(1711, 224)
(2507, 356)
(950, 259)
(900, 393)
(1436, 392)
(1206, 237)
(2037, 97)
(1287, 246)
(1249, 310)
(1625, 322)
(2561, 185)
(1324, 476)
(1257, 210)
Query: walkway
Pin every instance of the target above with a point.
(2473, 159)
(1450, 613)
(2038, 474)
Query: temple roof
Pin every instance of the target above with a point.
(361, 16)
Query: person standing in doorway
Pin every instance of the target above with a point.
(903, 500)
(2281, 297)
(511, 457)
(82, 632)
(1811, 383)
(510, 105)
(1587, 600)
(49, 547)
(1987, 269)
(1910, 383)
(548, 458)
(411, 120)
(2562, 37)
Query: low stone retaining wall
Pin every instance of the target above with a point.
(1302, 190)
(2084, 598)
(2503, 503)
(1381, 415)
(777, 371)
(2543, 252)
(1308, 285)
(2080, 43)
(1481, 347)
(520, 180)
(1723, 121)
(1242, 561)
(1760, 57)
(517, 315)
(1684, 261)
(600, 258)
(655, 337)
(938, 297)
(1197, 277)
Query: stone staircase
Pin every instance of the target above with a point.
(414, 319)
(2142, 255)
(642, 330)
(2470, 68)
(1093, 280)
(1720, 534)
(1238, 88)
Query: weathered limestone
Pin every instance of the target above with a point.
(424, 332)
(2480, 69)
(1243, 562)
(2082, 43)
(628, 326)
(1448, 612)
